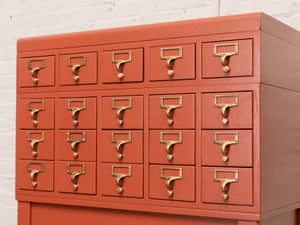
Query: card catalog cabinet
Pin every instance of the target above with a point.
(193, 122)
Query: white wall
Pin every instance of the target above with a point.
(23, 18)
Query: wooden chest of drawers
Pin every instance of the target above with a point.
(192, 122)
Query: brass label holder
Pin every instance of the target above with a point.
(170, 108)
(34, 111)
(121, 109)
(120, 63)
(226, 181)
(225, 144)
(35, 69)
(120, 143)
(225, 55)
(225, 106)
(170, 143)
(76, 66)
(34, 142)
(170, 59)
(170, 179)
(76, 110)
(120, 176)
(75, 142)
(34, 172)
(75, 174)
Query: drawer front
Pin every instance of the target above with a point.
(79, 145)
(172, 147)
(124, 180)
(35, 144)
(34, 175)
(37, 71)
(172, 182)
(121, 146)
(76, 177)
(77, 113)
(227, 148)
(122, 112)
(122, 66)
(36, 113)
(227, 185)
(227, 59)
(227, 110)
(75, 69)
(172, 62)
(172, 111)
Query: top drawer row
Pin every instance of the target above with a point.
(177, 62)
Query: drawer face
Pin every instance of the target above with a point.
(172, 182)
(172, 111)
(227, 59)
(227, 148)
(121, 146)
(37, 71)
(35, 144)
(76, 177)
(34, 175)
(122, 66)
(236, 182)
(172, 147)
(77, 113)
(122, 112)
(172, 62)
(227, 110)
(79, 145)
(36, 113)
(77, 69)
(124, 180)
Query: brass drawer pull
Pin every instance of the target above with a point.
(76, 66)
(75, 142)
(120, 176)
(225, 106)
(171, 59)
(225, 144)
(225, 55)
(120, 143)
(35, 69)
(120, 63)
(34, 172)
(34, 142)
(170, 143)
(225, 181)
(170, 179)
(75, 174)
(34, 111)
(170, 108)
(121, 109)
(76, 110)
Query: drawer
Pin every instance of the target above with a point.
(34, 175)
(36, 113)
(121, 146)
(172, 111)
(124, 180)
(37, 71)
(77, 113)
(122, 66)
(227, 148)
(77, 69)
(122, 112)
(227, 185)
(76, 177)
(172, 147)
(227, 110)
(172, 62)
(172, 182)
(79, 145)
(35, 144)
(227, 59)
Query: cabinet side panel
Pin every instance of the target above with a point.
(286, 219)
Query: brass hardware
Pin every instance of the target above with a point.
(120, 63)
(35, 69)
(120, 176)
(170, 143)
(120, 109)
(75, 174)
(120, 143)
(34, 142)
(225, 55)
(76, 66)
(34, 111)
(170, 108)
(225, 181)
(225, 106)
(75, 142)
(170, 179)
(76, 110)
(225, 144)
(170, 59)
(34, 172)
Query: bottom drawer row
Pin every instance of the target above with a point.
(219, 185)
